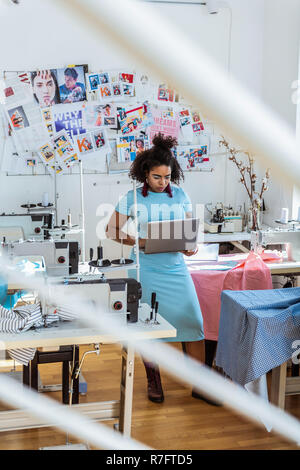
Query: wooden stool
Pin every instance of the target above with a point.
(64, 355)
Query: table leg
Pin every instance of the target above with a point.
(278, 385)
(34, 382)
(126, 392)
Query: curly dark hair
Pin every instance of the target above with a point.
(159, 154)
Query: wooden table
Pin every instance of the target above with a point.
(66, 333)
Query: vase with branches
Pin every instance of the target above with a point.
(249, 180)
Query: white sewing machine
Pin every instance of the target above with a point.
(25, 226)
(223, 220)
(61, 256)
(289, 238)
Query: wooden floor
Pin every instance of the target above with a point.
(181, 422)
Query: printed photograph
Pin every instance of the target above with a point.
(105, 91)
(93, 81)
(85, 144)
(128, 90)
(45, 87)
(104, 78)
(126, 77)
(116, 88)
(47, 153)
(99, 140)
(18, 118)
(71, 82)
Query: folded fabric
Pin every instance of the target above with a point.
(251, 274)
(22, 318)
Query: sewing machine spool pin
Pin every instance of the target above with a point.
(122, 261)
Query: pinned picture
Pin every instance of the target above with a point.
(126, 148)
(45, 87)
(105, 91)
(46, 113)
(69, 117)
(46, 153)
(193, 157)
(185, 117)
(99, 140)
(198, 127)
(30, 162)
(126, 77)
(18, 118)
(128, 89)
(93, 80)
(197, 123)
(133, 120)
(167, 93)
(85, 144)
(57, 169)
(65, 149)
(69, 161)
(164, 123)
(99, 115)
(116, 89)
(71, 81)
(104, 78)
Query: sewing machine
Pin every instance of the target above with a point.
(118, 296)
(61, 256)
(25, 226)
(290, 238)
(223, 220)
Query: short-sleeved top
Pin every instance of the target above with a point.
(156, 207)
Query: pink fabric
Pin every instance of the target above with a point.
(251, 274)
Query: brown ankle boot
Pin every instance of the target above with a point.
(155, 391)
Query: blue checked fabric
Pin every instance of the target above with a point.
(256, 331)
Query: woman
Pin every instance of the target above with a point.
(163, 273)
(45, 87)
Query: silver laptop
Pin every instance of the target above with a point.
(171, 235)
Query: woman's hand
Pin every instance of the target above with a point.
(190, 252)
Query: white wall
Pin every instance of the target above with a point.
(280, 70)
(48, 37)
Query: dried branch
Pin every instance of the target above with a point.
(247, 173)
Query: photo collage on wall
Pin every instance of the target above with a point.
(68, 114)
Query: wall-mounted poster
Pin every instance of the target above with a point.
(69, 117)
(192, 157)
(71, 83)
(197, 122)
(100, 141)
(93, 141)
(97, 114)
(131, 119)
(45, 87)
(65, 151)
(167, 93)
(46, 153)
(165, 121)
(129, 146)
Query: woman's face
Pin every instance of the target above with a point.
(158, 178)
(44, 88)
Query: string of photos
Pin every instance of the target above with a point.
(66, 115)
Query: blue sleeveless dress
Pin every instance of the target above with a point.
(166, 273)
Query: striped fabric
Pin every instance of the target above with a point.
(22, 318)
